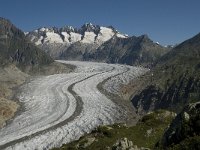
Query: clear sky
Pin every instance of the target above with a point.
(165, 21)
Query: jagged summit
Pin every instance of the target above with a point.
(88, 26)
(145, 37)
(96, 43)
(67, 29)
(55, 40)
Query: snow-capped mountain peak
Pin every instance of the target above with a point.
(88, 33)
(89, 25)
(52, 38)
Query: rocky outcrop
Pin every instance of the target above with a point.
(174, 96)
(184, 126)
(125, 144)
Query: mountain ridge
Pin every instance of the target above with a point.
(17, 49)
(174, 82)
(91, 42)
(134, 50)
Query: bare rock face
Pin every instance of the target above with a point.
(16, 48)
(184, 126)
(132, 51)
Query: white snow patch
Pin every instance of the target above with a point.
(66, 36)
(105, 34)
(89, 37)
(39, 41)
(121, 35)
(25, 33)
(158, 43)
(52, 37)
(75, 37)
(43, 29)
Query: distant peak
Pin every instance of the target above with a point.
(88, 25)
(5, 21)
(144, 36)
(67, 29)
(113, 28)
(157, 43)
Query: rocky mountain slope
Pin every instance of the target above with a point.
(174, 82)
(96, 43)
(132, 51)
(15, 48)
(18, 58)
(184, 131)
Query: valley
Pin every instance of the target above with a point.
(93, 87)
(62, 107)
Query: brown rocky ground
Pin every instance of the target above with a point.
(10, 78)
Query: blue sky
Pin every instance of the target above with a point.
(165, 21)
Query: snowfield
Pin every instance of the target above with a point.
(60, 108)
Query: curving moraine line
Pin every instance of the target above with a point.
(68, 129)
(79, 103)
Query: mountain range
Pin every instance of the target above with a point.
(96, 43)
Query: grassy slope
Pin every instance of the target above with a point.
(106, 136)
(184, 131)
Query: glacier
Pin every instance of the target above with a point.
(60, 108)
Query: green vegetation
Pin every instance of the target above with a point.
(184, 131)
(145, 134)
(190, 143)
(175, 80)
